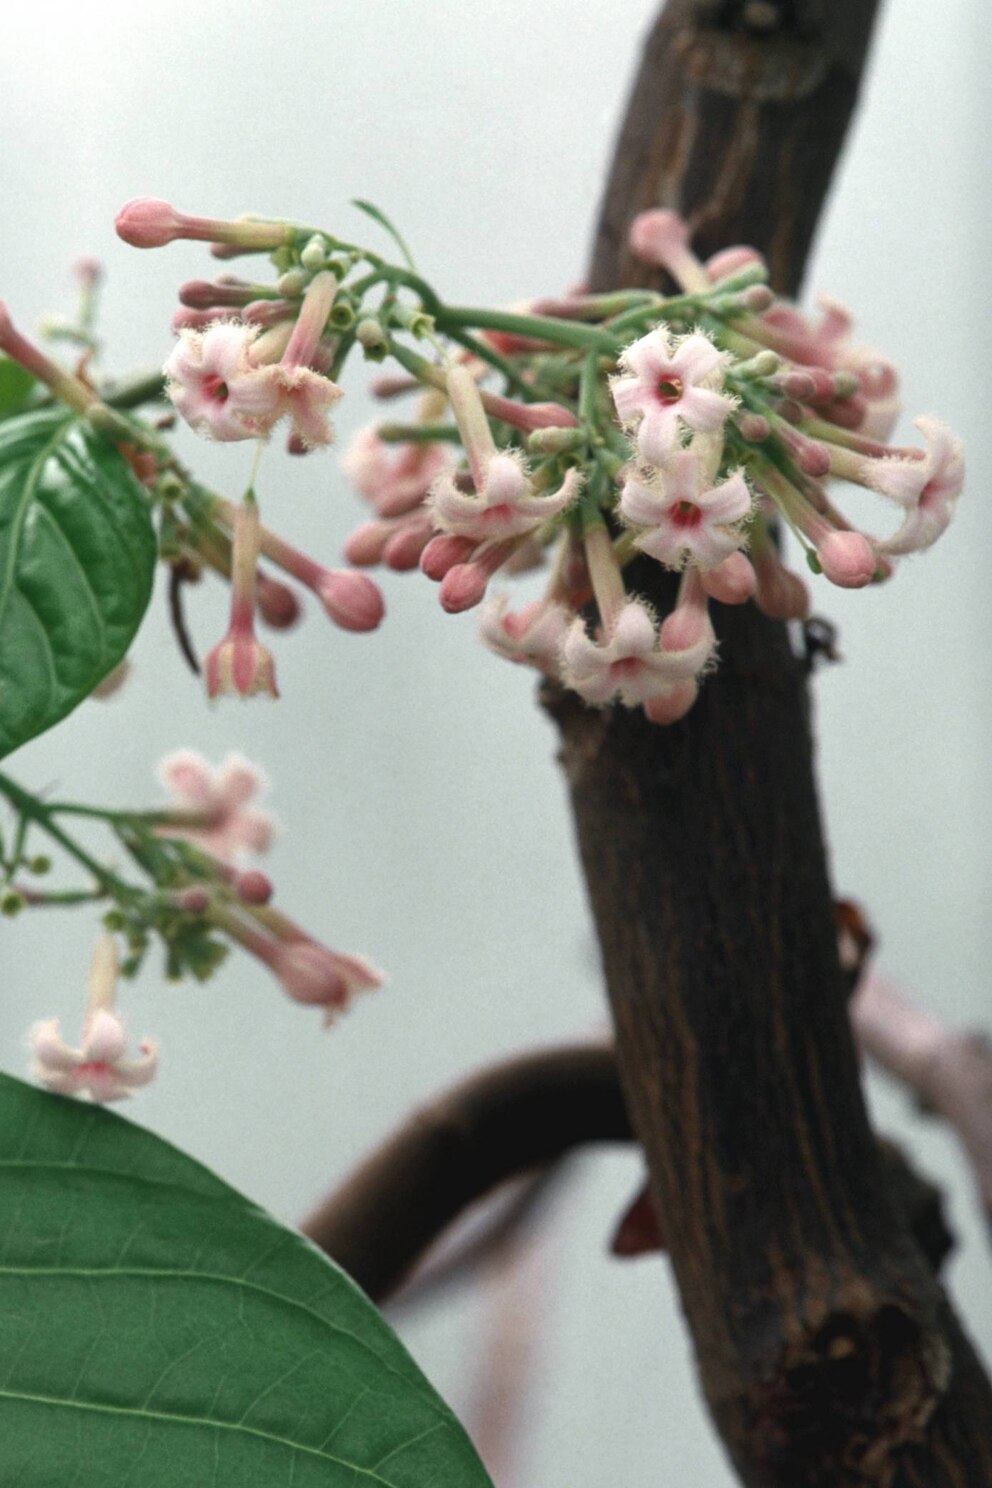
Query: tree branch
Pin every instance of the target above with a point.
(506, 1119)
(950, 1073)
(826, 1350)
(516, 1118)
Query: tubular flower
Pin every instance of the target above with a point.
(628, 664)
(533, 636)
(227, 825)
(686, 518)
(927, 488)
(213, 382)
(665, 382)
(98, 1068)
(505, 505)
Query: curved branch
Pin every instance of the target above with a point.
(520, 1114)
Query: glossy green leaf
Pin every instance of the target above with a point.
(16, 386)
(77, 559)
(158, 1329)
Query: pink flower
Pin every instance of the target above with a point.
(535, 635)
(318, 977)
(629, 664)
(218, 389)
(98, 1067)
(305, 394)
(240, 666)
(221, 796)
(395, 480)
(306, 397)
(686, 519)
(504, 505)
(927, 488)
(663, 383)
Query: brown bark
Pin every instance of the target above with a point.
(826, 1350)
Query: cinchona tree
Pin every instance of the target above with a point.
(826, 1348)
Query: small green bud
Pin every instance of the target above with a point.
(11, 902)
(39, 864)
(813, 561)
(553, 440)
(372, 338)
(114, 920)
(292, 283)
(342, 316)
(314, 254)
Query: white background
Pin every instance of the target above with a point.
(424, 820)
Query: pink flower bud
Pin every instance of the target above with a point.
(847, 559)
(757, 298)
(146, 222)
(194, 900)
(365, 545)
(730, 261)
(731, 582)
(442, 553)
(754, 427)
(351, 599)
(253, 886)
(194, 320)
(669, 707)
(310, 974)
(658, 236)
(200, 294)
(463, 587)
(87, 272)
(277, 604)
(781, 594)
(403, 549)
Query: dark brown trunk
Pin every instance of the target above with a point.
(826, 1349)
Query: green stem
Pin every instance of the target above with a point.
(38, 811)
(488, 354)
(534, 327)
(145, 387)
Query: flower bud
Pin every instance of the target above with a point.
(351, 599)
(847, 559)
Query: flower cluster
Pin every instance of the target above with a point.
(202, 897)
(725, 417)
(685, 429)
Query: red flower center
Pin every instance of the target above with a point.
(215, 387)
(669, 389)
(685, 514)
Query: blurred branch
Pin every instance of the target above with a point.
(508, 1118)
(950, 1073)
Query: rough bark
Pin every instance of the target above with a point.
(826, 1349)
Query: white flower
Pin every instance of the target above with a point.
(504, 506)
(216, 386)
(628, 664)
(685, 518)
(663, 382)
(98, 1067)
(533, 636)
(927, 488)
(222, 795)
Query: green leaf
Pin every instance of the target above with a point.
(77, 559)
(16, 386)
(158, 1329)
(378, 215)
